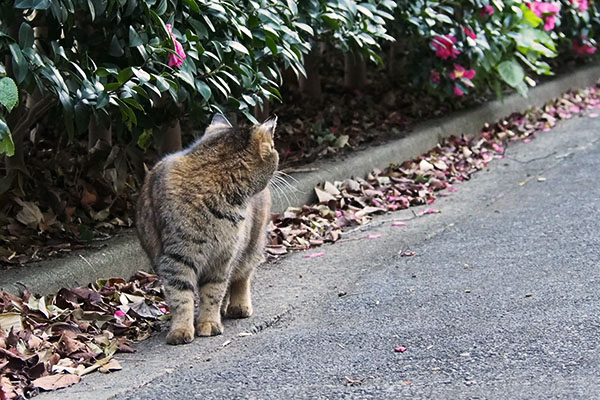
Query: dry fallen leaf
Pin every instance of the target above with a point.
(10, 321)
(53, 382)
(112, 365)
(323, 196)
(30, 215)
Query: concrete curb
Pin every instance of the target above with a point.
(123, 256)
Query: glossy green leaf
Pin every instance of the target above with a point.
(193, 5)
(511, 72)
(142, 75)
(237, 46)
(26, 38)
(271, 45)
(9, 94)
(134, 38)
(115, 49)
(19, 63)
(203, 89)
(6, 143)
(91, 9)
(145, 139)
(162, 84)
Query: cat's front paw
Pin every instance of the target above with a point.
(209, 328)
(180, 336)
(239, 310)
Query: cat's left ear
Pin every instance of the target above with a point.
(268, 127)
(218, 122)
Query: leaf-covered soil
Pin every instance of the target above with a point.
(51, 342)
(71, 197)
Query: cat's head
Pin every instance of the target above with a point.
(252, 146)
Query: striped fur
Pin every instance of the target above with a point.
(201, 219)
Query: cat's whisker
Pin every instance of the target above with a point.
(285, 186)
(282, 194)
(288, 187)
(281, 173)
(279, 191)
(282, 179)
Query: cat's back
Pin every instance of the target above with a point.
(155, 195)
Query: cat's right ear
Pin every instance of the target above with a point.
(218, 122)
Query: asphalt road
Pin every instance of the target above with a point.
(499, 302)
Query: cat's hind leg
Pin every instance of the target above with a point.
(211, 296)
(240, 300)
(179, 281)
(249, 257)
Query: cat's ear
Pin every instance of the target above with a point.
(218, 122)
(264, 133)
(269, 126)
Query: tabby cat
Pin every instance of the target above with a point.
(201, 218)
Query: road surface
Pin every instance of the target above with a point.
(500, 301)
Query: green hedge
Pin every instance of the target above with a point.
(121, 61)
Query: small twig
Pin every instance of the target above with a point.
(84, 259)
(36, 112)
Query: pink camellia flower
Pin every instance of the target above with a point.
(469, 32)
(546, 11)
(461, 72)
(444, 46)
(580, 47)
(581, 4)
(435, 77)
(465, 75)
(486, 11)
(175, 59)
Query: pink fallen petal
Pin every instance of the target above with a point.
(574, 109)
(452, 189)
(119, 314)
(393, 207)
(398, 223)
(374, 236)
(593, 115)
(487, 157)
(163, 310)
(497, 148)
(400, 349)
(407, 254)
(430, 201)
(429, 211)
(526, 140)
(314, 255)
